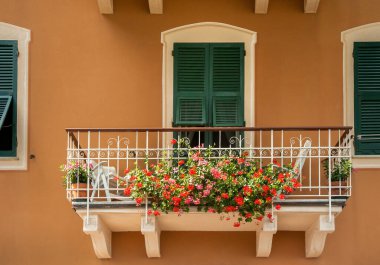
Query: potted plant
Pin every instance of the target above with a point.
(76, 176)
(340, 171)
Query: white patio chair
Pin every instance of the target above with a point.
(303, 154)
(102, 177)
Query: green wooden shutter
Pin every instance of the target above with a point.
(367, 97)
(8, 97)
(227, 84)
(190, 84)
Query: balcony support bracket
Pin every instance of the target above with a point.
(264, 236)
(100, 235)
(151, 232)
(315, 236)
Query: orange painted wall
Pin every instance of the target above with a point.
(92, 70)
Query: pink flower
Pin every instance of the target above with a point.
(206, 193)
(196, 201)
(199, 186)
(215, 173)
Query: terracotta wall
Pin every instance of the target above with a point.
(92, 70)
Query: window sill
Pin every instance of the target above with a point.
(366, 161)
(13, 163)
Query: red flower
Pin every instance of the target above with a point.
(139, 185)
(247, 190)
(181, 162)
(184, 194)
(173, 141)
(176, 201)
(192, 171)
(176, 209)
(265, 188)
(190, 187)
(127, 191)
(156, 213)
(269, 215)
(278, 207)
(236, 224)
(229, 209)
(138, 200)
(282, 196)
(225, 195)
(257, 202)
(240, 161)
(239, 201)
(268, 199)
(260, 218)
(149, 212)
(248, 215)
(126, 171)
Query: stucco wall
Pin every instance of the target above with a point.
(93, 70)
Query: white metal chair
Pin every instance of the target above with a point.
(304, 151)
(102, 177)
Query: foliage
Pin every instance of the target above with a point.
(231, 183)
(340, 170)
(76, 172)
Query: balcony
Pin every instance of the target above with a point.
(311, 208)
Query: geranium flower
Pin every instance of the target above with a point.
(278, 207)
(173, 141)
(224, 195)
(239, 201)
(236, 224)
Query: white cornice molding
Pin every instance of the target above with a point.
(105, 6)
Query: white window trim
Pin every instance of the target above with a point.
(22, 35)
(208, 32)
(368, 32)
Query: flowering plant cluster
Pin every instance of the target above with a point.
(228, 184)
(76, 172)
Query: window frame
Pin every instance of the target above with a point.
(22, 36)
(365, 33)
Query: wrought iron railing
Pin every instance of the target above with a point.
(111, 151)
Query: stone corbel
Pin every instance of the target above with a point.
(151, 232)
(315, 236)
(264, 236)
(100, 236)
(261, 6)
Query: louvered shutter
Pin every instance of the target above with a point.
(190, 84)
(367, 97)
(227, 84)
(8, 97)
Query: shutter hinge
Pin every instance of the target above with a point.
(172, 52)
(245, 53)
(18, 53)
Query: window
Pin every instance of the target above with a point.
(367, 97)
(208, 33)
(209, 87)
(8, 98)
(14, 52)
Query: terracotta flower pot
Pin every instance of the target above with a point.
(336, 190)
(79, 193)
